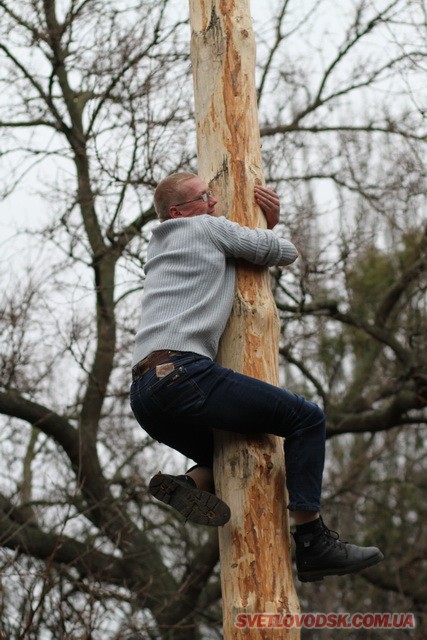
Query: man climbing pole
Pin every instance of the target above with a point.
(179, 394)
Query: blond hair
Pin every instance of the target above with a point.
(169, 191)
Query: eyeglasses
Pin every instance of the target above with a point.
(208, 195)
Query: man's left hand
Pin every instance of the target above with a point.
(269, 202)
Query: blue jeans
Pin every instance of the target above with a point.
(182, 409)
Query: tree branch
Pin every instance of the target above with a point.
(399, 582)
(329, 308)
(59, 549)
(9, 124)
(375, 420)
(61, 126)
(36, 33)
(48, 421)
(286, 353)
(390, 129)
(182, 603)
(392, 296)
(274, 48)
(131, 62)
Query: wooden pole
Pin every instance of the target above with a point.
(249, 473)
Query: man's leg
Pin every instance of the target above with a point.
(242, 404)
(302, 517)
(203, 396)
(203, 477)
(153, 402)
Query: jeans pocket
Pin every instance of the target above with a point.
(177, 391)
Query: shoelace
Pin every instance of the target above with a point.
(334, 536)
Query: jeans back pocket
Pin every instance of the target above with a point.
(178, 391)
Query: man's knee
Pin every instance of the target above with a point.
(318, 416)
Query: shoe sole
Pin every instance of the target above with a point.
(200, 507)
(314, 576)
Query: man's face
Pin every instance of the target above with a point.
(191, 203)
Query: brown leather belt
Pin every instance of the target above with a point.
(151, 361)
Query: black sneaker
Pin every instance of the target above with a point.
(321, 553)
(181, 493)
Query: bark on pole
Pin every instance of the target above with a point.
(249, 472)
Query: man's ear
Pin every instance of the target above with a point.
(174, 213)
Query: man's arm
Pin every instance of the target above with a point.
(259, 246)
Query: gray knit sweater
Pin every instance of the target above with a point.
(190, 280)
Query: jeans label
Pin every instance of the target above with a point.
(163, 370)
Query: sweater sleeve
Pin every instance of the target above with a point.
(259, 246)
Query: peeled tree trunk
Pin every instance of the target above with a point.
(256, 571)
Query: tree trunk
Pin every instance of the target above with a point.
(249, 473)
